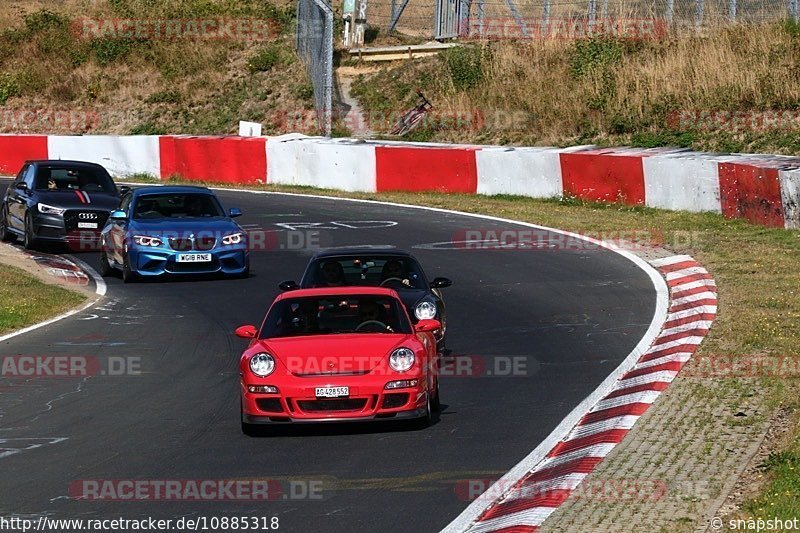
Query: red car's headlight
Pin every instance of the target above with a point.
(262, 364)
(402, 359)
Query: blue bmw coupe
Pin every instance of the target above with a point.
(173, 230)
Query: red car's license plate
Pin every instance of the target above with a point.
(332, 392)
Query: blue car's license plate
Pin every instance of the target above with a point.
(194, 258)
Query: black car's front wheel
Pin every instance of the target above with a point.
(29, 241)
(5, 234)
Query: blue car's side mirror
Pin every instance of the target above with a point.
(235, 212)
(118, 214)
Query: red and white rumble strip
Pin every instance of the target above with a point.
(530, 500)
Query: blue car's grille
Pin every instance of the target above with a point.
(181, 245)
(205, 243)
(185, 245)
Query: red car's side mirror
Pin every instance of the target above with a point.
(246, 332)
(427, 325)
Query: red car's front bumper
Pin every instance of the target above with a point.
(367, 401)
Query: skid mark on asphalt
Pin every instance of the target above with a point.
(7, 448)
(49, 403)
(90, 343)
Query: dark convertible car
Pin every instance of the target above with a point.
(379, 267)
(64, 202)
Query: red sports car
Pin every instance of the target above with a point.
(338, 354)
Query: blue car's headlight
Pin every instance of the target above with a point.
(234, 238)
(144, 240)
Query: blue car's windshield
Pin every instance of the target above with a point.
(181, 205)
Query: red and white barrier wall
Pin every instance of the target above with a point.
(763, 189)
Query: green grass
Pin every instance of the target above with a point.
(781, 499)
(148, 84)
(756, 270)
(609, 91)
(24, 300)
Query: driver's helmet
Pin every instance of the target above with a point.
(368, 310)
(332, 273)
(392, 269)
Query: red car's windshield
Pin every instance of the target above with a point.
(327, 315)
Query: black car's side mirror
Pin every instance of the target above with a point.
(22, 186)
(440, 283)
(123, 190)
(288, 285)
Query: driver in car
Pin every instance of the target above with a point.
(394, 269)
(370, 311)
(333, 274)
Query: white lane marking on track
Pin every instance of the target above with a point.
(489, 244)
(335, 225)
(5, 451)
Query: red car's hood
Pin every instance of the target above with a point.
(356, 353)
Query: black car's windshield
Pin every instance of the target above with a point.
(294, 317)
(73, 178)
(181, 205)
(394, 272)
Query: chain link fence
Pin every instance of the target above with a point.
(315, 47)
(532, 18)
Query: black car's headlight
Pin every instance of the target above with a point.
(50, 210)
(425, 310)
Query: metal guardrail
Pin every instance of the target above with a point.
(315, 46)
(427, 18)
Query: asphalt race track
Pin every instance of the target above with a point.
(569, 317)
